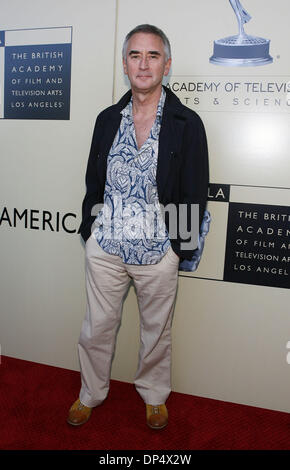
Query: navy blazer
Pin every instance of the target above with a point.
(182, 167)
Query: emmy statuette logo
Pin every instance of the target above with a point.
(242, 49)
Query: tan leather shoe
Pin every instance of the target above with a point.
(78, 414)
(157, 416)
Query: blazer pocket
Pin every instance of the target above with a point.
(175, 159)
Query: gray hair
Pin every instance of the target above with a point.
(149, 29)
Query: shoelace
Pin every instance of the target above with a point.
(155, 410)
(81, 406)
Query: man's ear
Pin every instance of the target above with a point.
(167, 67)
(125, 67)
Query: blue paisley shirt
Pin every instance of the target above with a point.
(130, 223)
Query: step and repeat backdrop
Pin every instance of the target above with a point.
(60, 65)
(56, 75)
(231, 323)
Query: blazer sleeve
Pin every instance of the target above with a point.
(195, 170)
(194, 176)
(92, 191)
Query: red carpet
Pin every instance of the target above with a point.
(34, 400)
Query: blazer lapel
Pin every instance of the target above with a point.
(166, 145)
(170, 139)
(106, 141)
(114, 118)
(109, 134)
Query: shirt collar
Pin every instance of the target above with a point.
(127, 112)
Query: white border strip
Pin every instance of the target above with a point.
(1, 82)
(258, 195)
(32, 37)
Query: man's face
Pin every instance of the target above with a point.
(146, 63)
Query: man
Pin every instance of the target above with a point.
(147, 151)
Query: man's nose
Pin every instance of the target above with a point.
(143, 63)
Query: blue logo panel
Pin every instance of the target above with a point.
(37, 81)
(2, 38)
(257, 247)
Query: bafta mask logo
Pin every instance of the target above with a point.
(241, 50)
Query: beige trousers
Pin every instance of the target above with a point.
(107, 282)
